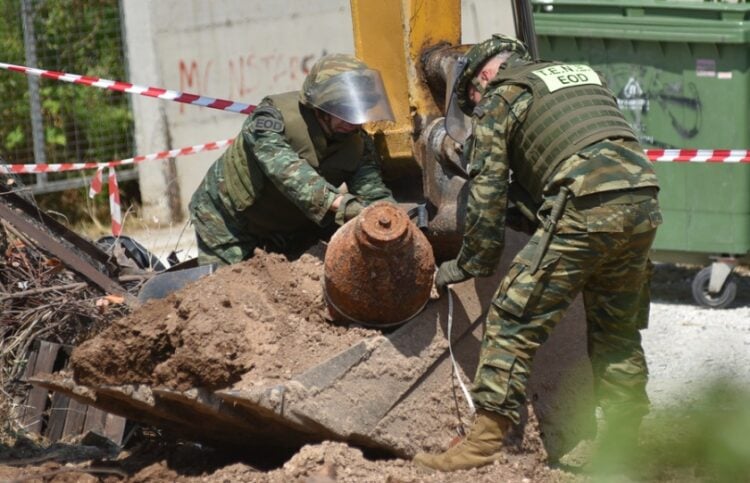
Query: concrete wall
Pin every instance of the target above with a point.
(240, 50)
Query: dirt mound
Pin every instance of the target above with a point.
(263, 321)
(260, 320)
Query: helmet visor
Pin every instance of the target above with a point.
(457, 124)
(356, 96)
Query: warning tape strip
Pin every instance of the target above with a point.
(96, 181)
(699, 155)
(119, 86)
(114, 203)
(56, 168)
(660, 155)
(656, 155)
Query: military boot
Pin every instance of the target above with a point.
(613, 451)
(482, 446)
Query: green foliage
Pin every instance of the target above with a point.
(703, 440)
(708, 436)
(80, 124)
(14, 109)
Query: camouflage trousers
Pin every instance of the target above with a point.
(603, 252)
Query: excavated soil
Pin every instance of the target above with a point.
(258, 321)
(252, 323)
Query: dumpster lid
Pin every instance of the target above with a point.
(655, 20)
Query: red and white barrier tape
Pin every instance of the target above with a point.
(114, 203)
(119, 86)
(699, 155)
(96, 181)
(115, 211)
(56, 168)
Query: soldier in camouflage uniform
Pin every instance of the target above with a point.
(278, 186)
(558, 131)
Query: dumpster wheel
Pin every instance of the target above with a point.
(719, 300)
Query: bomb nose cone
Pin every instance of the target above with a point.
(384, 226)
(378, 268)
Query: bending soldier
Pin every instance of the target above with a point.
(558, 130)
(277, 186)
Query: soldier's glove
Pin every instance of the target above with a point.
(517, 221)
(348, 208)
(450, 273)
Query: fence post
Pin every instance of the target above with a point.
(37, 127)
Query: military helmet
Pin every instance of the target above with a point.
(476, 57)
(345, 87)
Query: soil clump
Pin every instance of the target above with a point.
(254, 322)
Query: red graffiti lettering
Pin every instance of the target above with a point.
(247, 75)
(191, 80)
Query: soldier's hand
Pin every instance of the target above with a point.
(336, 203)
(353, 209)
(450, 273)
(347, 207)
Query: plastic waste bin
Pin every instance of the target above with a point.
(681, 74)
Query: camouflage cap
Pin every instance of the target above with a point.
(347, 88)
(476, 57)
(327, 67)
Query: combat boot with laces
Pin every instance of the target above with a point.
(482, 446)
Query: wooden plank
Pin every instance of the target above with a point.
(36, 402)
(114, 428)
(95, 419)
(67, 417)
(75, 418)
(30, 364)
(57, 415)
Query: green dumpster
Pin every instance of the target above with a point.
(681, 74)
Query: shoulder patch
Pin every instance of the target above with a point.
(268, 124)
(267, 118)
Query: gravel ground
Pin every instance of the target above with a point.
(688, 346)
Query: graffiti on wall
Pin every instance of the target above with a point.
(250, 75)
(641, 91)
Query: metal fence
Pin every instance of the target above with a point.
(47, 121)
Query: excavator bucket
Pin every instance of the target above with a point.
(373, 393)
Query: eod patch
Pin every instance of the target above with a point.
(263, 123)
(560, 76)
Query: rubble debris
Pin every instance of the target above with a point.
(40, 299)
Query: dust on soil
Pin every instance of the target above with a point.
(252, 323)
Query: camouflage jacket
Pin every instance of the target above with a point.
(282, 174)
(602, 166)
